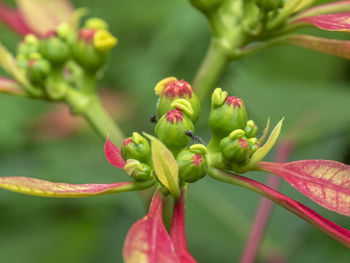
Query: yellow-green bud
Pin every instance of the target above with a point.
(250, 129)
(54, 49)
(139, 171)
(171, 89)
(171, 128)
(235, 149)
(136, 147)
(192, 165)
(38, 69)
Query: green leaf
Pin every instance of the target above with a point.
(266, 148)
(266, 130)
(165, 165)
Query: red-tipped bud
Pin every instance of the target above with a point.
(136, 147)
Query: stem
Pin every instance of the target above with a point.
(103, 124)
(211, 69)
(264, 209)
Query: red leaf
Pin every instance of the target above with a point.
(177, 233)
(32, 186)
(14, 20)
(325, 182)
(11, 87)
(330, 22)
(340, 48)
(147, 240)
(113, 155)
(335, 231)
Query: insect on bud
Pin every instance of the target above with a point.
(236, 148)
(227, 113)
(171, 128)
(136, 147)
(192, 163)
(250, 129)
(170, 89)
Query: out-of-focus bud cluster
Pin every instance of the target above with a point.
(65, 57)
(234, 136)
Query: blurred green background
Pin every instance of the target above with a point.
(158, 39)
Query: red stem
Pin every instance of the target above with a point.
(264, 208)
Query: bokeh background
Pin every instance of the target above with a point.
(158, 39)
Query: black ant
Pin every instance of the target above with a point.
(195, 138)
(153, 119)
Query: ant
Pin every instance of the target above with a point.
(153, 119)
(195, 138)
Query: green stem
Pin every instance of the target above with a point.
(103, 124)
(90, 107)
(211, 69)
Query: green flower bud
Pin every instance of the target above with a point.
(227, 114)
(53, 48)
(192, 165)
(92, 48)
(96, 23)
(250, 129)
(268, 4)
(28, 46)
(136, 147)
(139, 171)
(170, 89)
(38, 69)
(235, 148)
(254, 145)
(171, 128)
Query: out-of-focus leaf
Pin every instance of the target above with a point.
(177, 234)
(147, 240)
(14, 19)
(113, 155)
(340, 48)
(32, 186)
(303, 4)
(45, 15)
(165, 165)
(266, 148)
(330, 22)
(326, 182)
(329, 8)
(11, 87)
(335, 231)
(265, 131)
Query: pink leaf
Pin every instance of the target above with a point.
(335, 231)
(11, 87)
(147, 240)
(330, 22)
(177, 234)
(14, 19)
(113, 155)
(340, 48)
(325, 182)
(43, 16)
(38, 187)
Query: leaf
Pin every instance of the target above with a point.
(147, 240)
(113, 155)
(333, 230)
(32, 186)
(165, 165)
(266, 148)
(45, 15)
(303, 4)
(330, 22)
(325, 182)
(265, 131)
(340, 48)
(328, 8)
(14, 20)
(177, 233)
(11, 87)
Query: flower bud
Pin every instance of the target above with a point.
(53, 48)
(136, 147)
(250, 129)
(171, 128)
(139, 171)
(192, 165)
(254, 145)
(227, 113)
(170, 89)
(37, 69)
(236, 148)
(92, 48)
(96, 23)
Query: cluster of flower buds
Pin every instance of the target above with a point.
(233, 134)
(49, 62)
